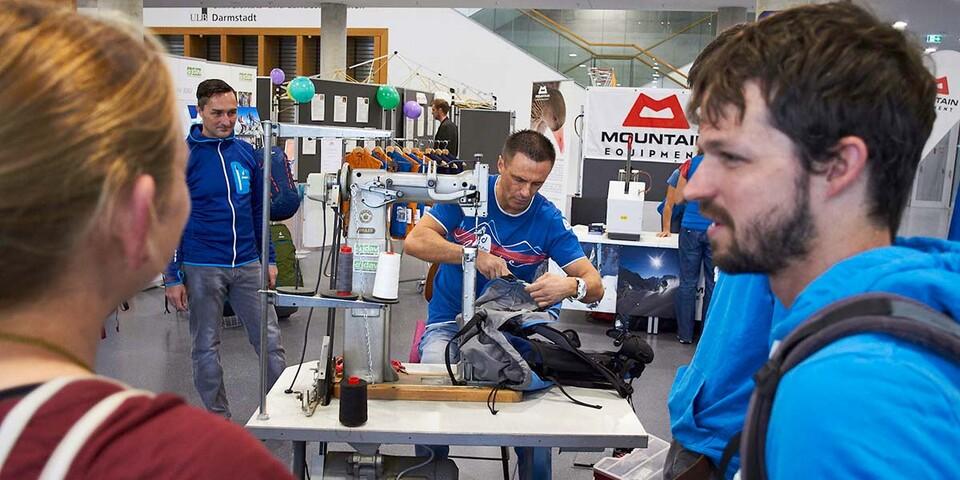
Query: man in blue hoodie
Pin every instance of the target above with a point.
(219, 254)
(813, 123)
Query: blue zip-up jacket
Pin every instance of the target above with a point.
(871, 406)
(225, 179)
(709, 397)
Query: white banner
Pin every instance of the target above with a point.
(232, 17)
(653, 118)
(947, 73)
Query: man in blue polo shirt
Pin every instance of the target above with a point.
(694, 249)
(521, 231)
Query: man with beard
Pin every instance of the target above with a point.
(812, 122)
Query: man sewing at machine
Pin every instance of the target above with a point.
(521, 231)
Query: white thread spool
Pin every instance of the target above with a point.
(387, 282)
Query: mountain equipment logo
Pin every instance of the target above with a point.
(542, 93)
(942, 87)
(636, 116)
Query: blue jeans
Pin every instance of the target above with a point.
(694, 252)
(532, 463)
(207, 287)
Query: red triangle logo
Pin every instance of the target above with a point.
(942, 87)
(676, 120)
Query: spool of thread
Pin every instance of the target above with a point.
(387, 282)
(344, 284)
(353, 402)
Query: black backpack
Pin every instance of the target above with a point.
(902, 318)
(556, 356)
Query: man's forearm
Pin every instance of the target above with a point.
(594, 288)
(431, 247)
(667, 219)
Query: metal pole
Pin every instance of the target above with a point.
(469, 283)
(264, 268)
(386, 339)
(626, 183)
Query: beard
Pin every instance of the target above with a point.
(771, 241)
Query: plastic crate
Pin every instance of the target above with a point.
(640, 464)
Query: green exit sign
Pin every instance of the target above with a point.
(934, 38)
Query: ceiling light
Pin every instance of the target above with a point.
(583, 65)
(900, 25)
(930, 50)
(571, 54)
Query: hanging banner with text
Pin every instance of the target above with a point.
(654, 118)
(947, 72)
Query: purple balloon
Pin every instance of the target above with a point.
(412, 109)
(277, 76)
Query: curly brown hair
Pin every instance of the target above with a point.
(830, 71)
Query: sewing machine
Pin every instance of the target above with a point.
(371, 192)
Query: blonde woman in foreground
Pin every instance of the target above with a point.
(92, 203)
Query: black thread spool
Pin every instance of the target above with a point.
(353, 402)
(344, 285)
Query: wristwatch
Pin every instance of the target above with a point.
(581, 289)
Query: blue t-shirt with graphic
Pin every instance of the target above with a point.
(524, 240)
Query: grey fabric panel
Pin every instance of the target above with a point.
(490, 355)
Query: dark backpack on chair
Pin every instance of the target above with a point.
(284, 194)
(883, 313)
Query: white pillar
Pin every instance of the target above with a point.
(130, 8)
(333, 39)
(730, 16)
(777, 5)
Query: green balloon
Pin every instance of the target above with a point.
(301, 90)
(388, 97)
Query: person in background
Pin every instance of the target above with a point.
(520, 233)
(670, 210)
(709, 397)
(447, 136)
(695, 256)
(219, 255)
(89, 213)
(813, 122)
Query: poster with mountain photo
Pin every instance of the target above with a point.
(649, 280)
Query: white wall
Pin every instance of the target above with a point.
(460, 49)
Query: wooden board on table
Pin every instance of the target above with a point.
(434, 388)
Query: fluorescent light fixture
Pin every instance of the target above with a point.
(583, 65)
(900, 25)
(571, 54)
(930, 50)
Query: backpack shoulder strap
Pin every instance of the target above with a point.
(21, 413)
(557, 337)
(468, 331)
(62, 458)
(883, 313)
(58, 465)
